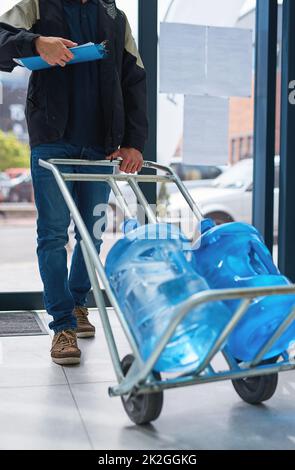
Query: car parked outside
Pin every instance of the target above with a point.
(5, 182)
(227, 199)
(193, 176)
(21, 189)
(18, 189)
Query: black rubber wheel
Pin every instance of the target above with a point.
(145, 408)
(256, 390)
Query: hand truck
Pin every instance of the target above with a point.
(140, 388)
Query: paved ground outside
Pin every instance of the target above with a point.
(18, 260)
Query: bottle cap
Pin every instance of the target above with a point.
(129, 225)
(205, 225)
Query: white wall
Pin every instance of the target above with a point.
(206, 12)
(6, 4)
(130, 7)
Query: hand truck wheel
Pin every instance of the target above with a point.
(144, 408)
(256, 390)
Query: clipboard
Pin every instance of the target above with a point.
(85, 53)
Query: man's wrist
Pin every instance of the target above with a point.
(26, 44)
(34, 45)
(139, 148)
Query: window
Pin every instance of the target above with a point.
(232, 196)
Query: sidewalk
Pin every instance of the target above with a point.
(18, 260)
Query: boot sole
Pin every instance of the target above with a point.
(66, 361)
(86, 334)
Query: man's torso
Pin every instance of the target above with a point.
(51, 91)
(85, 122)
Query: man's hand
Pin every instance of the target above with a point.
(132, 159)
(54, 50)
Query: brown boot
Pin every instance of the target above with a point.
(84, 327)
(64, 349)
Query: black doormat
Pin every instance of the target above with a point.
(21, 324)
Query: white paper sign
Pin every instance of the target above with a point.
(182, 58)
(206, 128)
(201, 60)
(229, 62)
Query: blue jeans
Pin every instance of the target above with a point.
(62, 292)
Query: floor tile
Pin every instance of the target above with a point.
(96, 364)
(25, 361)
(204, 417)
(40, 418)
(45, 406)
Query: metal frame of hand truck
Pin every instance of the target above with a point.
(139, 379)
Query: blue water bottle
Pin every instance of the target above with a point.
(150, 275)
(234, 255)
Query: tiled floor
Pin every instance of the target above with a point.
(44, 406)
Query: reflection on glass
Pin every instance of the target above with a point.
(237, 177)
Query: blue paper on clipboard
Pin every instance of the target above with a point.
(84, 53)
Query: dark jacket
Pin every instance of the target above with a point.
(123, 78)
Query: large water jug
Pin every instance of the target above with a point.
(234, 255)
(150, 276)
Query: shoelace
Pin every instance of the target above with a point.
(64, 338)
(82, 314)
